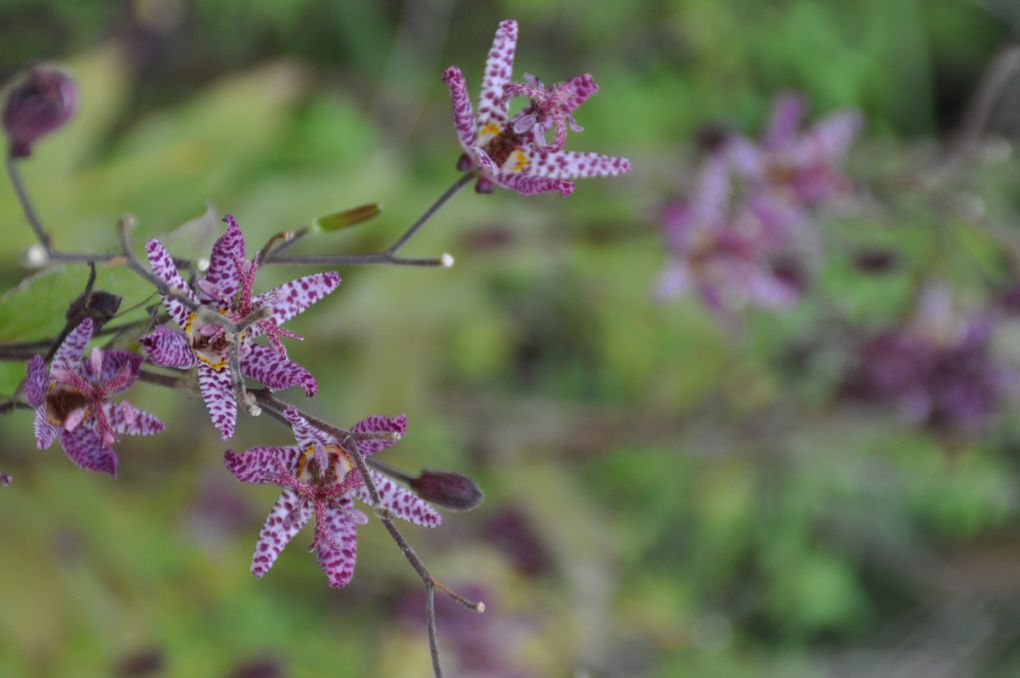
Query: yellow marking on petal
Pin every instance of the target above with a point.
(487, 132)
(517, 162)
(187, 325)
(218, 365)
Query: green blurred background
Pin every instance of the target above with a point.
(664, 497)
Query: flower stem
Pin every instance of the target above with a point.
(389, 255)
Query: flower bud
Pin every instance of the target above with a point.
(41, 103)
(5, 480)
(451, 490)
(99, 305)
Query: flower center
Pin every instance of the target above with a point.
(61, 401)
(324, 465)
(208, 342)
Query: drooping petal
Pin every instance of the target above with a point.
(169, 348)
(126, 418)
(498, 68)
(379, 424)
(36, 381)
(223, 274)
(787, 112)
(572, 164)
(162, 265)
(294, 297)
(84, 448)
(261, 464)
(218, 394)
(45, 432)
(288, 515)
(336, 546)
(305, 434)
(528, 184)
(68, 356)
(463, 114)
(404, 503)
(275, 371)
(583, 87)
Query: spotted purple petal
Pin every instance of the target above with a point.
(68, 356)
(583, 87)
(118, 372)
(498, 68)
(167, 347)
(45, 432)
(275, 371)
(36, 381)
(292, 298)
(84, 448)
(261, 464)
(223, 275)
(288, 515)
(527, 184)
(218, 394)
(404, 503)
(305, 434)
(163, 268)
(378, 424)
(337, 548)
(128, 419)
(572, 164)
(463, 114)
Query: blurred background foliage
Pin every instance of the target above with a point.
(665, 496)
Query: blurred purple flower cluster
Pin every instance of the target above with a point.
(736, 239)
(939, 369)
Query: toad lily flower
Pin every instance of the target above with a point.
(726, 258)
(226, 290)
(798, 166)
(512, 152)
(319, 478)
(71, 401)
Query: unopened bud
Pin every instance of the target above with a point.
(483, 186)
(347, 218)
(99, 305)
(451, 490)
(5, 480)
(447, 260)
(202, 264)
(41, 103)
(464, 163)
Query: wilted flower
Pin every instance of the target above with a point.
(41, 103)
(513, 153)
(319, 478)
(798, 168)
(226, 289)
(939, 368)
(728, 258)
(71, 401)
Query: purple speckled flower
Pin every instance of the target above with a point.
(71, 401)
(797, 168)
(727, 258)
(227, 290)
(939, 369)
(41, 103)
(513, 152)
(319, 478)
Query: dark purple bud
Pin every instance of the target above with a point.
(43, 101)
(100, 306)
(5, 480)
(450, 490)
(483, 185)
(712, 137)
(464, 163)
